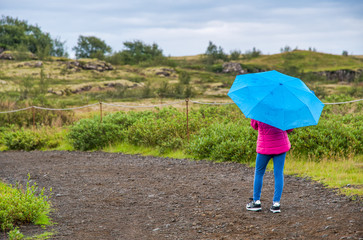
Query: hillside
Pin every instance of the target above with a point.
(308, 61)
(67, 82)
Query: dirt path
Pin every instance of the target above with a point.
(115, 196)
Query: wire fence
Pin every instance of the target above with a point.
(142, 106)
(137, 106)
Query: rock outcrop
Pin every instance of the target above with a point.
(233, 67)
(96, 65)
(31, 64)
(15, 55)
(7, 56)
(161, 72)
(342, 75)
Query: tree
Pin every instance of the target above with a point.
(212, 50)
(183, 89)
(285, 49)
(184, 78)
(136, 51)
(252, 54)
(163, 90)
(18, 35)
(12, 32)
(58, 48)
(91, 47)
(235, 54)
(213, 53)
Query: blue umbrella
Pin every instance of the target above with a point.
(276, 99)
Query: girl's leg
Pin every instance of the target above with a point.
(261, 163)
(279, 161)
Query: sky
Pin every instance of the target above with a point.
(185, 27)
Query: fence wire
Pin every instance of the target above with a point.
(344, 102)
(140, 106)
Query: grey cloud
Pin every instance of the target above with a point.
(325, 24)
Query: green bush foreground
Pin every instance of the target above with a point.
(219, 133)
(216, 133)
(22, 205)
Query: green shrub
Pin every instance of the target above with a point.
(225, 142)
(333, 136)
(18, 205)
(217, 132)
(165, 129)
(28, 140)
(15, 234)
(23, 140)
(2, 134)
(90, 134)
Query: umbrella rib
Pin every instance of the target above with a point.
(301, 100)
(262, 100)
(297, 88)
(247, 88)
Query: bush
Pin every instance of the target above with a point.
(218, 133)
(22, 205)
(165, 129)
(334, 136)
(15, 234)
(90, 134)
(28, 140)
(22, 140)
(225, 142)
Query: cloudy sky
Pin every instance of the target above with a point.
(184, 27)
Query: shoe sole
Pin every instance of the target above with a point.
(254, 209)
(275, 211)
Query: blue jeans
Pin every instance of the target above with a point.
(261, 164)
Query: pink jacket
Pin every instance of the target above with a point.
(270, 140)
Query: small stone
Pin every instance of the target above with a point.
(329, 218)
(156, 229)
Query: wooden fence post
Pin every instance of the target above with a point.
(33, 110)
(187, 113)
(101, 111)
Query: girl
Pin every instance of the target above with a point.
(271, 143)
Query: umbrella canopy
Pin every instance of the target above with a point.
(276, 99)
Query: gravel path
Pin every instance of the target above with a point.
(99, 195)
